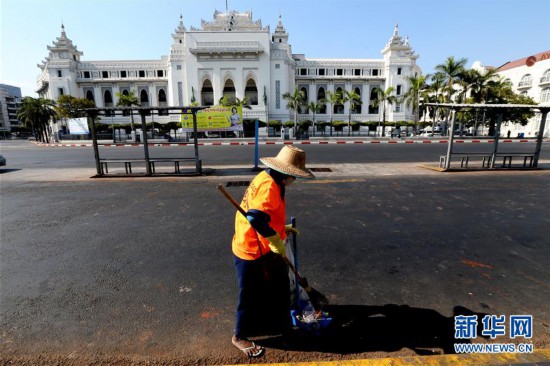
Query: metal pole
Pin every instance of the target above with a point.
(295, 252)
(451, 139)
(91, 121)
(539, 137)
(256, 128)
(495, 144)
(145, 144)
(198, 166)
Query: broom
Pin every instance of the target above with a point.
(317, 299)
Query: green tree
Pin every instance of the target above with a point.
(354, 100)
(314, 108)
(412, 97)
(451, 69)
(128, 100)
(334, 98)
(384, 97)
(226, 101)
(293, 102)
(36, 113)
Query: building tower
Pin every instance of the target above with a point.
(58, 75)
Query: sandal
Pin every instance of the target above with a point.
(251, 351)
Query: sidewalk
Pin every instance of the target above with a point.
(538, 357)
(278, 141)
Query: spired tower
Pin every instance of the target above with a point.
(177, 92)
(58, 75)
(399, 63)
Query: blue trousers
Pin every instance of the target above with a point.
(264, 296)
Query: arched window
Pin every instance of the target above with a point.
(90, 96)
(357, 107)
(162, 98)
(545, 77)
(304, 109)
(373, 96)
(526, 81)
(321, 96)
(144, 98)
(251, 92)
(545, 95)
(339, 108)
(229, 90)
(207, 93)
(107, 99)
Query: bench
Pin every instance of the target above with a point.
(176, 162)
(465, 159)
(127, 164)
(152, 162)
(507, 159)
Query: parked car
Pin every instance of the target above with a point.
(2, 160)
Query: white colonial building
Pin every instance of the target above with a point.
(529, 76)
(234, 55)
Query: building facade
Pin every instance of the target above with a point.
(529, 76)
(232, 55)
(10, 101)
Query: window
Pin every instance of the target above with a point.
(178, 67)
(123, 74)
(321, 72)
(141, 73)
(144, 98)
(321, 95)
(398, 90)
(545, 77)
(397, 108)
(105, 74)
(375, 72)
(277, 66)
(545, 95)
(357, 72)
(526, 81)
(86, 74)
(160, 73)
(60, 91)
(398, 71)
(339, 72)
(59, 74)
(303, 72)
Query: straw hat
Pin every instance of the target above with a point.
(291, 161)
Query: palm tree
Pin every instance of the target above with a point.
(314, 108)
(294, 101)
(434, 95)
(225, 101)
(412, 96)
(383, 98)
(128, 100)
(36, 114)
(333, 99)
(451, 69)
(354, 100)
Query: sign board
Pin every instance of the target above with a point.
(216, 118)
(78, 126)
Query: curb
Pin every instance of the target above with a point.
(286, 142)
(480, 359)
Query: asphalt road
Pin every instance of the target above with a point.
(140, 270)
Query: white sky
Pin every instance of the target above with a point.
(491, 31)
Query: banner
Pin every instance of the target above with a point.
(78, 126)
(215, 118)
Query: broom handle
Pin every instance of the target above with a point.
(222, 189)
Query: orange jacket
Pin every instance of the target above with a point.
(263, 194)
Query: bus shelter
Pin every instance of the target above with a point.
(530, 158)
(102, 164)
